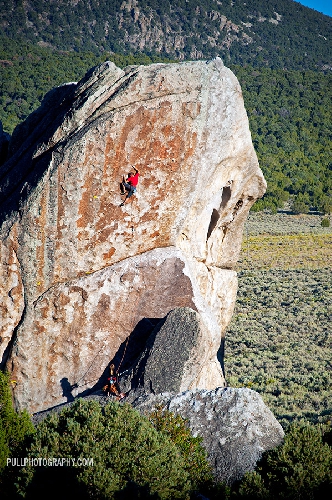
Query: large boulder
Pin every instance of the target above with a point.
(175, 357)
(78, 271)
(235, 425)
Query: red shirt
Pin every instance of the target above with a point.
(133, 180)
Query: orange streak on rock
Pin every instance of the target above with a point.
(109, 254)
(153, 235)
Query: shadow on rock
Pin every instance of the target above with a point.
(21, 173)
(135, 344)
(67, 389)
(127, 355)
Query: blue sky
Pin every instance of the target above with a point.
(324, 6)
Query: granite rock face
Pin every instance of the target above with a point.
(235, 425)
(78, 271)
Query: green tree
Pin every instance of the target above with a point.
(15, 429)
(301, 204)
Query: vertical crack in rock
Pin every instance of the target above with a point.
(12, 294)
(226, 196)
(213, 222)
(7, 352)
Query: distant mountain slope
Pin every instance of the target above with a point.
(272, 33)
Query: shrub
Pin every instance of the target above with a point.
(194, 455)
(130, 457)
(300, 204)
(325, 223)
(299, 469)
(14, 427)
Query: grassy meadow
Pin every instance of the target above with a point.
(279, 340)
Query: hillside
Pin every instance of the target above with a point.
(276, 34)
(28, 72)
(290, 121)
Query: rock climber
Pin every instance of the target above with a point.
(112, 386)
(129, 184)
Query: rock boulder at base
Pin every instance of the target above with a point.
(176, 356)
(235, 425)
(78, 271)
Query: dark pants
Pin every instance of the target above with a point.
(131, 189)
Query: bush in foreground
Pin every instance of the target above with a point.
(190, 447)
(14, 427)
(299, 469)
(131, 459)
(153, 458)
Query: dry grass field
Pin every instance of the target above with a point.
(288, 251)
(279, 341)
(284, 241)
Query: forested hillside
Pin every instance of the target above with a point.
(274, 33)
(28, 72)
(290, 121)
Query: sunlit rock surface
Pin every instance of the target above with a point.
(84, 269)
